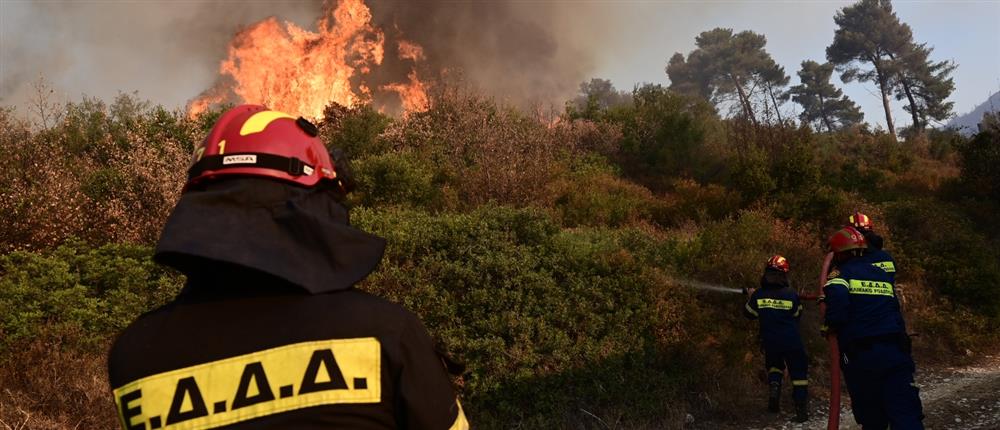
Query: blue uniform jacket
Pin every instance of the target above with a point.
(883, 260)
(861, 301)
(778, 308)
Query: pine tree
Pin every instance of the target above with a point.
(725, 66)
(926, 85)
(822, 103)
(869, 32)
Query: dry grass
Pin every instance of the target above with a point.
(44, 386)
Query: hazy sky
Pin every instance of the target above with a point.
(967, 32)
(169, 51)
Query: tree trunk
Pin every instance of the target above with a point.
(914, 109)
(775, 101)
(822, 113)
(744, 100)
(883, 86)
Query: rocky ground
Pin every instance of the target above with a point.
(962, 398)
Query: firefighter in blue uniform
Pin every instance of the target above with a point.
(268, 332)
(862, 309)
(874, 253)
(778, 308)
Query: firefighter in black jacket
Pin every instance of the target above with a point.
(778, 308)
(268, 331)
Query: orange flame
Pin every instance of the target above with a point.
(413, 94)
(291, 69)
(411, 51)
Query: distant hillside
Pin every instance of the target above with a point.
(969, 122)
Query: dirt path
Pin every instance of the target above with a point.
(960, 398)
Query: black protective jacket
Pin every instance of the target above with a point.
(275, 337)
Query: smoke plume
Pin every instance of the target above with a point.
(169, 52)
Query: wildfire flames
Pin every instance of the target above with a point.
(290, 69)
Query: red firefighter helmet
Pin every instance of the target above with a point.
(778, 263)
(846, 239)
(250, 140)
(861, 221)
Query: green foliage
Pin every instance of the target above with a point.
(355, 130)
(666, 135)
(688, 201)
(751, 175)
(980, 158)
(823, 105)
(595, 98)
(529, 306)
(547, 254)
(594, 195)
(395, 178)
(958, 261)
(78, 295)
(727, 65)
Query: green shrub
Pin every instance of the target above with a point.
(666, 135)
(395, 178)
(76, 295)
(594, 195)
(980, 158)
(751, 175)
(357, 130)
(549, 321)
(689, 201)
(959, 262)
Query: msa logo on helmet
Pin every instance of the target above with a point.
(261, 383)
(239, 159)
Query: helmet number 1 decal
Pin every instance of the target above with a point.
(222, 147)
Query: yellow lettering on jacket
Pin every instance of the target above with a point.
(870, 288)
(886, 266)
(223, 392)
(774, 304)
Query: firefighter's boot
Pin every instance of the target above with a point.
(774, 397)
(801, 410)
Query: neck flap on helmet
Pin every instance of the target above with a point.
(299, 235)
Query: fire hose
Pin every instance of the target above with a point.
(833, 422)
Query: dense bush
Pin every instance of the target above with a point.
(955, 259)
(395, 178)
(667, 135)
(106, 173)
(980, 158)
(78, 295)
(553, 256)
(357, 131)
(531, 308)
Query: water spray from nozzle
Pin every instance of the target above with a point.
(706, 286)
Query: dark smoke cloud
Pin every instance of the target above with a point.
(522, 52)
(515, 51)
